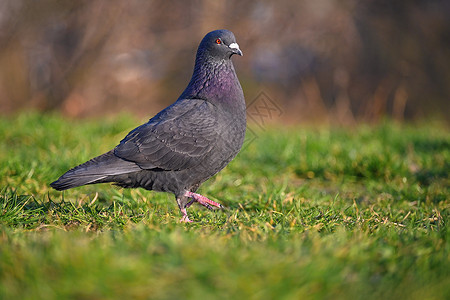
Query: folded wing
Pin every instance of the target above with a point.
(175, 139)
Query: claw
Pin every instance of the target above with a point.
(184, 218)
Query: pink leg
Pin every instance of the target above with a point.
(202, 200)
(184, 218)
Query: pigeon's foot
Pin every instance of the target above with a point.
(184, 218)
(202, 200)
(195, 198)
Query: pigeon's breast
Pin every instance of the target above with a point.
(231, 127)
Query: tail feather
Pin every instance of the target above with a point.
(95, 170)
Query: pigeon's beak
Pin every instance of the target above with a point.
(235, 48)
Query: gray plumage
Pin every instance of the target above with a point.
(186, 143)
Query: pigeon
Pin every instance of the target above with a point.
(186, 143)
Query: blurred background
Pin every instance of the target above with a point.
(336, 61)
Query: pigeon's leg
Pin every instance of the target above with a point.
(184, 218)
(202, 200)
(190, 203)
(182, 205)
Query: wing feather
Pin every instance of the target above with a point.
(175, 139)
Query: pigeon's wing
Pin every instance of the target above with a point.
(177, 138)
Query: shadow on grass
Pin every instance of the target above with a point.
(426, 146)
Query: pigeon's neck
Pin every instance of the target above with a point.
(214, 81)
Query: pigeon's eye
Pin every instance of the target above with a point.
(218, 41)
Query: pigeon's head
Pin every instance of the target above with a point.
(219, 44)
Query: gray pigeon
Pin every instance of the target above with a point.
(184, 144)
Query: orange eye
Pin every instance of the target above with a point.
(218, 42)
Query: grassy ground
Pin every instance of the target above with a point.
(312, 214)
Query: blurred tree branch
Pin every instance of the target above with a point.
(337, 61)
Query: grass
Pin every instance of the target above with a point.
(313, 213)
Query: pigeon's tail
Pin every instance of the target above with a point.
(95, 170)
